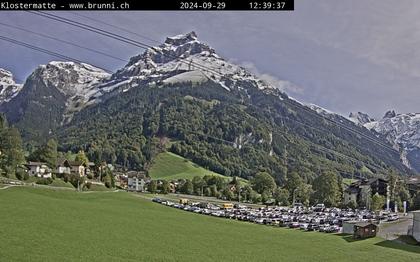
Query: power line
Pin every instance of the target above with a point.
(324, 149)
(63, 41)
(145, 46)
(120, 38)
(45, 51)
(140, 45)
(116, 27)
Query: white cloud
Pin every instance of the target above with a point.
(283, 85)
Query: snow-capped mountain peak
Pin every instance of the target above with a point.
(360, 118)
(8, 87)
(71, 78)
(390, 114)
(403, 130)
(183, 58)
(78, 82)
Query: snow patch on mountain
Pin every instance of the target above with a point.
(77, 81)
(8, 87)
(360, 118)
(183, 58)
(320, 110)
(72, 78)
(402, 130)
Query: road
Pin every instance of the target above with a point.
(392, 230)
(176, 197)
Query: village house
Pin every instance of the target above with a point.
(38, 169)
(361, 191)
(65, 166)
(351, 194)
(136, 181)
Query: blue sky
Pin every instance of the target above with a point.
(360, 55)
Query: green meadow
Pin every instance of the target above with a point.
(170, 166)
(38, 224)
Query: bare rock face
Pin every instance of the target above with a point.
(8, 87)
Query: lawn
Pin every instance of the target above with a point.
(60, 183)
(170, 166)
(46, 225)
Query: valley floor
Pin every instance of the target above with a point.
(38, 224)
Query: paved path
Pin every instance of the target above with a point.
(6, 187)
(392, 230)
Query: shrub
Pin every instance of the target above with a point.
(44, 181)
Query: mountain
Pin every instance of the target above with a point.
(184, 96)
(360, 118)
(50, 96)
(8, 86)
(402, 130)
(180, 59)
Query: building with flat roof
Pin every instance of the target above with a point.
(416, 225)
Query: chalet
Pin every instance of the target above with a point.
(351, 194)
(361, 191)
(121, 180)
(63, 167)
(364, 230)
(39, 169)
(136, 181)
(378, 185)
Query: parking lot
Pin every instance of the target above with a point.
(316, 218)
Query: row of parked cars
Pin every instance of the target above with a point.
(317, 218)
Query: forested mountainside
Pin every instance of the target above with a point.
(234, 134)
(182, 95)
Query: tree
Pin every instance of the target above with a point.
(246, 193)
(235, 181)
(213, 190)
(327, 189)
(81, 157)
(263, 182)
(265, 197)
(11, 150)
(227, 194)
(281, 196)
(48, 153)
(352, 204)
(293, 182)
(378, 201)
(255, 197)
(198, 185)
(304, 193)
(107, 181)
(187, 187)
(108, 178)
(165, 187)
(152, 187)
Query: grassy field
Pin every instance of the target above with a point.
(171, 166)
(61, 225)
(60, 183)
